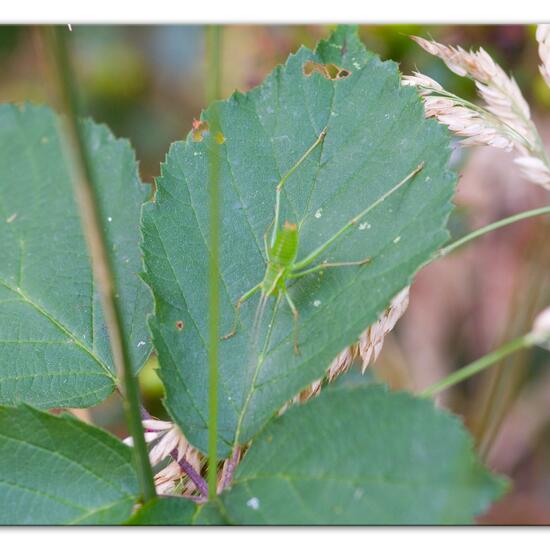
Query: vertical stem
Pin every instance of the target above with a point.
(85, 192)
(213, 92)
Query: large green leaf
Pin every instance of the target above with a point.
(58, 470)
(361, 455)
(210, 514)
(165, 511)
(54, 349)
(178, 511)
(377, 134)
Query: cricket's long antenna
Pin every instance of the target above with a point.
(281, 184)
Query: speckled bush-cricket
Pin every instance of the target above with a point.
(282, 249)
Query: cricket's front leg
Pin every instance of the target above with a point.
(238, 305)
(295, 315)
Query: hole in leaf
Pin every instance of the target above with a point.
(199, 128)
(330, 71)
(180, 325)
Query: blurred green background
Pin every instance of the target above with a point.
(147, 84)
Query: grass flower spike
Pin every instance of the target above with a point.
(504, 121)
(368, 347)
(541, 329)
(169, 443)
(467, 121)
(543, 38)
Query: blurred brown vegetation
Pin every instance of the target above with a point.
(146, 83)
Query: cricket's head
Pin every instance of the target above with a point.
(288, 226)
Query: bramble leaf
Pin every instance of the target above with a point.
(376, 135)
(165, 511)
(57, 470)
(54, 349)
(361, 455)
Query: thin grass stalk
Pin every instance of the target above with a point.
(531, 294)
(479, 365)
(86, 198)
(213, 59)
(491, 227)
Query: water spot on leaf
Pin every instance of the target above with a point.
(397, 239)
(364, 225)
(319, 213)
(317, 303)
(11, 218)
(253, 503)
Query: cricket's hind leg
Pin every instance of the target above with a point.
(326, 265)
(238, 305)
(295, 315)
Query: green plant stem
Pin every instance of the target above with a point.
(213, 59)
(85, 192)
(530, 295)
(479, 365)
(491, 227)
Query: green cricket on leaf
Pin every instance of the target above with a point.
(281, 251)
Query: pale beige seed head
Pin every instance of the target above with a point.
(500, 92)
(543, 38)
(426, 84)
(368, 348)
(169, 443)
(504, 121)
(535, 170)
(541, 329)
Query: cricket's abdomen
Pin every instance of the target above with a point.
(281, 257)
(285, 248)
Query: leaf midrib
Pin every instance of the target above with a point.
(92, 511)
(43, 494)
(27, 299)
(119, 490)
